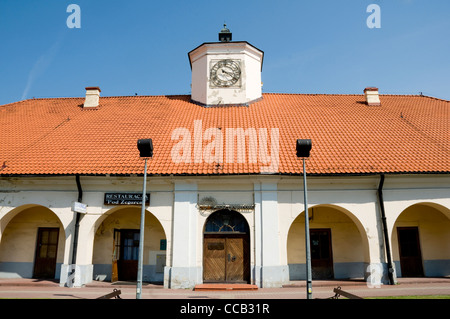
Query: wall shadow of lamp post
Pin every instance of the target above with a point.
(145, 147)
(303, 149)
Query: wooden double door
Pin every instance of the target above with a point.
(226, 258)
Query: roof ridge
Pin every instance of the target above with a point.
(435, 98)
(345, 94)
(41, 98)
(264, 93)
(150, 95)
(357, 94)
(15, 102)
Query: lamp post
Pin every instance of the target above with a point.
(303, 148)
(145, 147)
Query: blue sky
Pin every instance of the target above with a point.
(137, 46)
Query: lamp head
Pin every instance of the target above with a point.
(145, 147)
(303, 147)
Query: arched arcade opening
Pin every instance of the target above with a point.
(116, 245)
(421, 241)
(339, 247)
(32, 243)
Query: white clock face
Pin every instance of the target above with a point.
(225, 73)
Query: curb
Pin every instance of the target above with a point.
(25, 282)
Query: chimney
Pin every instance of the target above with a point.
(92, 96)
(372, 96)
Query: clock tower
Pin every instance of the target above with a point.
(226, 73)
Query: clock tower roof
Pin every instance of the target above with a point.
(221, 44)
(225, 35)
(224, 39)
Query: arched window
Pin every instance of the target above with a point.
(226, 221)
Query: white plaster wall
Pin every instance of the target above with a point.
(253, 76)
(278, 201)
(199, 82)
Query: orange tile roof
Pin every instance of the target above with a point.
(406, 134)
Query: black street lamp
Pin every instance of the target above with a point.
(145, 147)
(303, 149)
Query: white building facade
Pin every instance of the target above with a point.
(345, 209)
(378, 210)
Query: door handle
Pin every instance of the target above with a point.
(231, 258)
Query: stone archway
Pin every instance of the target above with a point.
(116, 242)
(421, 241)
(338, 243)
(32, 243)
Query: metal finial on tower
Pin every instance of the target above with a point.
(225, 34)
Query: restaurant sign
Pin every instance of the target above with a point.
(126, 199)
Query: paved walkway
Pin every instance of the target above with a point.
(46, 289)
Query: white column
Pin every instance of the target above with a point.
(184, 272)
(269, 272)
(258, 236)
(83, 267)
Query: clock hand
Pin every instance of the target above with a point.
(231, 74)
(226, 72)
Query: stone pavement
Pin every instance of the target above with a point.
(47, 289)
(30, 296)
